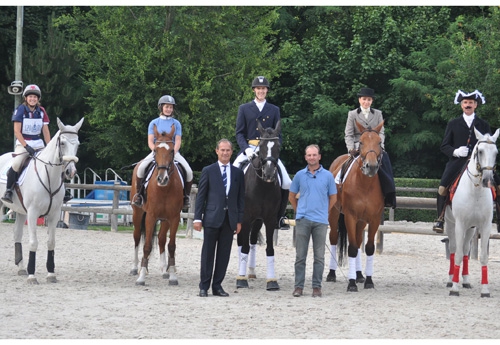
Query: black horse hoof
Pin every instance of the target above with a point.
(369, 283)
(352, 287)
(449, 284)
(454, 293)
(467, 286)
(272, 285)
(241, 284)
(331, 277)
(485, 295)
(359, 277)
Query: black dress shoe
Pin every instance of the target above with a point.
(203, 293)
(220, 292)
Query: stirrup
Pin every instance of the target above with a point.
(137, 200)
(438, 226)
(282, 225)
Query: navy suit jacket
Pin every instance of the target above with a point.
(211, 201)
(246, 121)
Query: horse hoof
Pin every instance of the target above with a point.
(166, 275)
(485, 294)
(331, 277)
(454, 293)
(173, 282)
(352, 287)
(272, 286)
(359, 277)
(140, 283)
(51, 279)
(22, 272)
(252, 276)
(134, 272)
(241, 284)
(369, 283)
(467, 286)
(449, 284)
(32, 281)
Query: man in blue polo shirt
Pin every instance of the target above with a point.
(317, 193)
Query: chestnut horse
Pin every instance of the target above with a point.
(163, 202)
(262, 203)
(361, 202)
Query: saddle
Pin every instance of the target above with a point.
(149, 172)
(453, 187)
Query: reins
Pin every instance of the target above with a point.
(262, 161)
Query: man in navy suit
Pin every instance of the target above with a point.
(248, 136)
(220, 203)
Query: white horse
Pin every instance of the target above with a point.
(471, 210)
(41, 193)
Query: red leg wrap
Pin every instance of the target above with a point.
(484, 275)
(456, 273)
(452, 263)
(465, 269)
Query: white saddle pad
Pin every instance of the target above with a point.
(337, 178)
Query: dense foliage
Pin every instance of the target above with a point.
(111, 65)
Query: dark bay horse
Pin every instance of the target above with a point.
(163, 202)
(262, 203)
(360, 202)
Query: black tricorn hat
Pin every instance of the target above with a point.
(476, 96)
(366, 92)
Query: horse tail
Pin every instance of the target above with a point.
(342, 249)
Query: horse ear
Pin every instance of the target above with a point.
(495, 136)
(172, 130)
(79, 124)
(379, 127)
(361, 128)
(60, 125)
(155, 131)
(278, 127)
(479, 135)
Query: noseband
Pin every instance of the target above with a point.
(379, 156)
(263, 161)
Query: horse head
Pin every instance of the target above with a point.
(164, 155)
(269, 150)
(370, 148)
(484, 157)
(68, 143)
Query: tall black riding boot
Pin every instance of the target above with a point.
(282, 211)
(11, 180)
(137, 199)
(187, 192)
(439, 224)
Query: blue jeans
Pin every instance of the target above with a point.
(305, 230)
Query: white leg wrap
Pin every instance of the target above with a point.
(333, 257)
(352, 268)
(359, 267)
(252, 256)
(270, 268)
(369, 265)
(163, 263)
(243, 264)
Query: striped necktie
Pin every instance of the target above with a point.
(224, 177)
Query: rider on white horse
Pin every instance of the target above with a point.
(30, 122)
(458, 142)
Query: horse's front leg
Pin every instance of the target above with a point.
(149, 224)
(333, 220)
(458, 257)
(18, 246)
(33, 246)
(465, 260)
(51, 244)
(171, 269)
(252, 254)
(272, 281)
(352, 250)
(485, 239)
(370, 253)
(136, 219)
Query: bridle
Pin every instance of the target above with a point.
(168, 167)
(379, 155)
(262, 161)
(479, 168)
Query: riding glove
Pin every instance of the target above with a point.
(462, 151)
(249, 152)
(30, 150)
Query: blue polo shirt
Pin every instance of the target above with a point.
(165, 125)
(315, 191)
